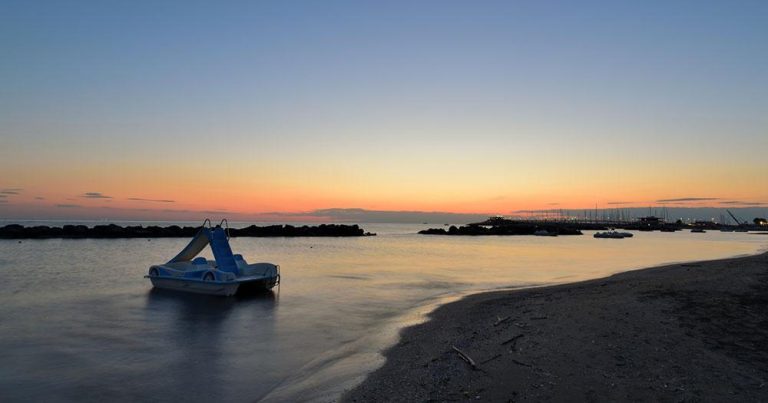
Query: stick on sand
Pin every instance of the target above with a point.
(465, 357)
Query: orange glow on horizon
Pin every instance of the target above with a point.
(433, 186)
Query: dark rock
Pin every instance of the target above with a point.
(15, 231)
(505, 229)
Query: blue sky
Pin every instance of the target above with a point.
(359, 95)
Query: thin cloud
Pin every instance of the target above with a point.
(68, 206)
(687, 199)
(216, 212)
(2, 196)
(152, 200)
(39, 198)
(620, 202)
(94, 195)
(11, 191)
(289, 214)
(376, 216)
(742, 203)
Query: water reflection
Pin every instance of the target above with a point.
(204, 332)
(207, 303)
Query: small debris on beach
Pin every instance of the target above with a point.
(499, 320)
(465, 357)
(510, 340)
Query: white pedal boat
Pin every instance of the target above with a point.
(227, 275)
(612, 234)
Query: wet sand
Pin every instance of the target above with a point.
(685, 332)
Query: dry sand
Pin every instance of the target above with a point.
(686, 332)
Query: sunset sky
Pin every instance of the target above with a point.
(275, 108)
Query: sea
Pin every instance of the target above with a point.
(79, 322)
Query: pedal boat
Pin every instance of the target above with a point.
(227, 275)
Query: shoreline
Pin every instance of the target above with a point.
(685, 331)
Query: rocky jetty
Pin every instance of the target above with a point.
(579, 225)
(516, 229)
(15, 231)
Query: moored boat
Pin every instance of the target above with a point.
(226, 275)
(612, 234)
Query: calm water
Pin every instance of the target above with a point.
(79, 322)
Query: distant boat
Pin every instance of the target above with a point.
(543, 232)
(613, 235)
(698, 230)
(226, 275)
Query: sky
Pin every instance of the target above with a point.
(278, 110)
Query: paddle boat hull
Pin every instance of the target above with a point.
(263, 277)
(195, 286)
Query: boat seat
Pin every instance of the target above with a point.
(200, 261)
(240, 261)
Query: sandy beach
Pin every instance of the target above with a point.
(684, 332)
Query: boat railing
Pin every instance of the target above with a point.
(277, 279)
(207, 220)
(225, 224)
